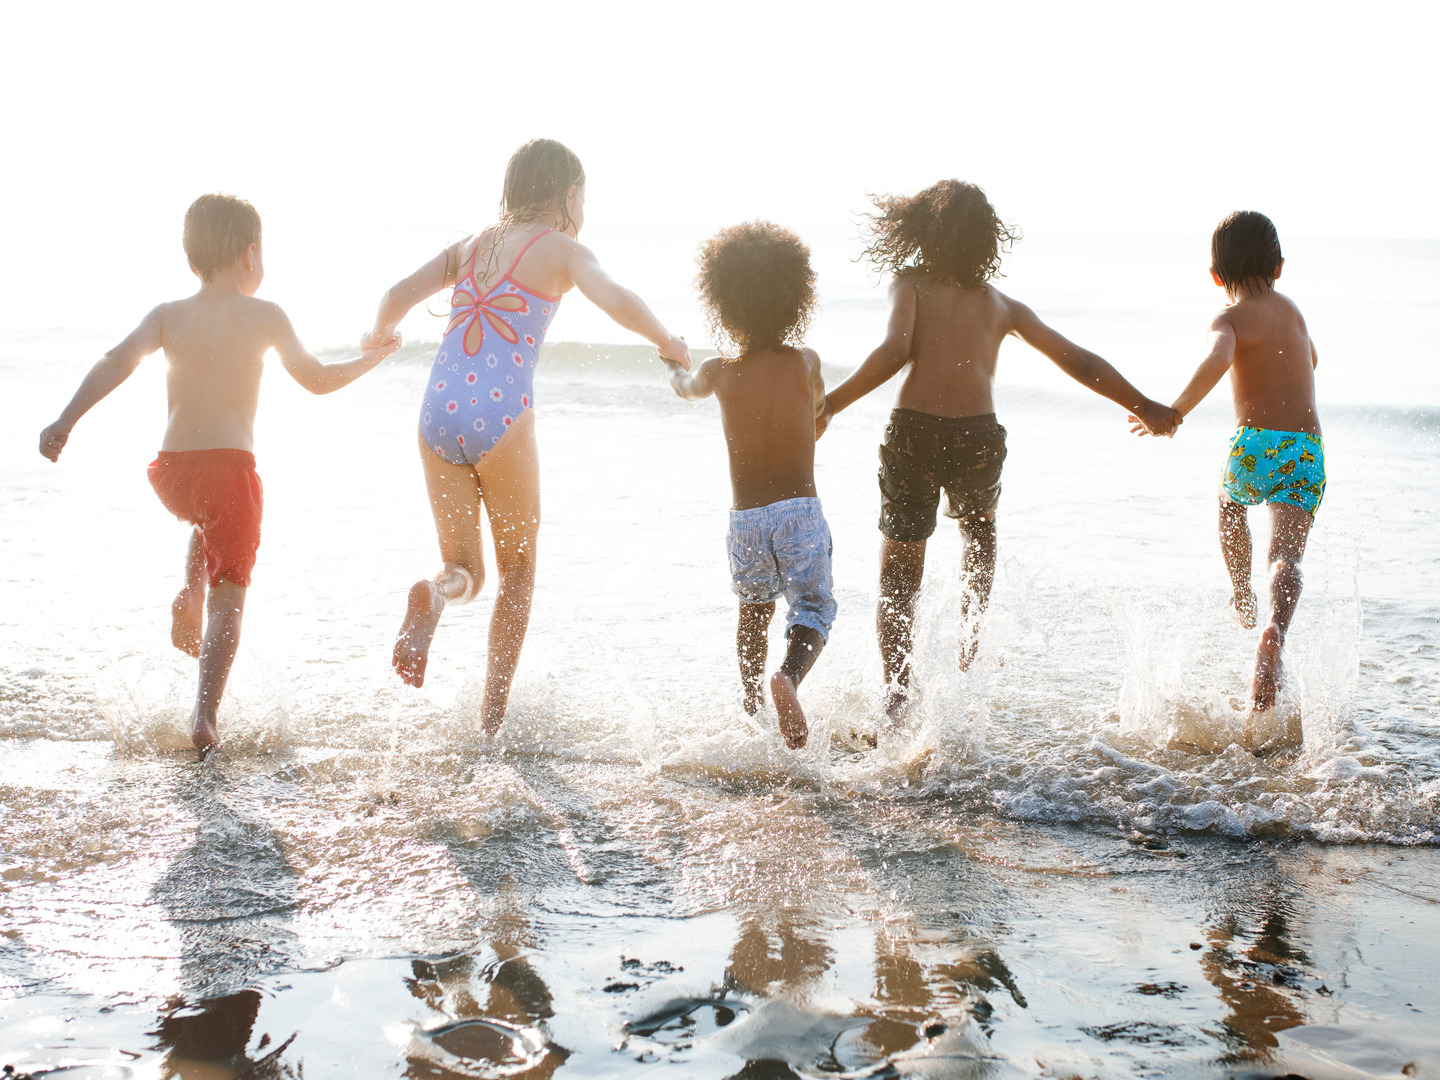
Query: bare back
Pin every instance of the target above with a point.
(215, 344)
(1272, 376)
(544, 268)
(768, 402)
(955, 350)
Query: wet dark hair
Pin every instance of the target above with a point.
(948, 233)
(537, 179)
(218, 229)
(1244, 251)
(757, 285)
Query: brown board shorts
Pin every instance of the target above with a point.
(922, 454)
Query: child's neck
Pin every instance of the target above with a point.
(1249, 292)
(226, 281)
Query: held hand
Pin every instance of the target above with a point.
(676, 352)
(53, 440)
(1152, 418)
(822, 419)
(369, 343)
(371, 340)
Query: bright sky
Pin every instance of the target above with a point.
(370, 134)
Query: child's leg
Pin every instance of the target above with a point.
(1235, 544)
(187, 612)
(510, 486)
(800, 656)
(977, 534)
(902, 566)
(1290, 531)
(217, 654)
(752, 646)
(455, 502)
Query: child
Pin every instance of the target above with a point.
(215, 344)
(759, 290)
(1276, 455)
(942, 247)
(477, 427)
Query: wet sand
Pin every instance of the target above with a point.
(280, 912)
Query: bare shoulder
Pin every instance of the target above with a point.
(1224, 320)
(264, 312)
(710, 367)
(1290, 305)
(1012, 314)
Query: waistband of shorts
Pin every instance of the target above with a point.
(1243, 429)
(755, 513)
(978, 424)
(220, 456)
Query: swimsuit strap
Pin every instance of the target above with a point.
(523, 250)
(474, 253)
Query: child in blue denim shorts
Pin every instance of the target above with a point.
(1276, 455)
(759, 291)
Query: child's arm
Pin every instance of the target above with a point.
(110, 371)
(309, 372)
(1091, 371)
(1212, 368)
(623, 306)
(884, 362)
(405, 294)
(817, 391)
(692, 385)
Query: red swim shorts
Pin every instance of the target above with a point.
(218, 491)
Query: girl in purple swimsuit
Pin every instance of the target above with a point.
(477, 422)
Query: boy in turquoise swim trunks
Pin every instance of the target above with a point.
(1276, 455)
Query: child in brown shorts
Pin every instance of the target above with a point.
(942, 247)
(215, 344)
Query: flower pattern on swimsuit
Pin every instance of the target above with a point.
(467, 307)
(483, 376)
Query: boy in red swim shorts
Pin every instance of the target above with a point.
(215, 344)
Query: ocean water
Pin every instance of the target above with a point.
(1068, 863)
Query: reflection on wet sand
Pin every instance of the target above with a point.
(778, 953)
(1253, 972)
(498, 1008)
(229, 895)
(497, 1013)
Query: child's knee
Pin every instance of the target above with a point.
(517, 569)
(463, 584)
(979, 526)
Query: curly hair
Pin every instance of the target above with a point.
(757, 285)
(1244, 251)
(949, 233)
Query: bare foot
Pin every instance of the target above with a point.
(1242, 609)
(187, 621)
(897, 704)
(754, 698)
(412, 646)
(492, 716)
(203, 733)
(1268, 673)
(787, 704)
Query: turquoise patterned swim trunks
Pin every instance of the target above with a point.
(1267, 466)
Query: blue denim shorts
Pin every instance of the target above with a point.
(785, 548)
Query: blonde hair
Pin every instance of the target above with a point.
(218, 229)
